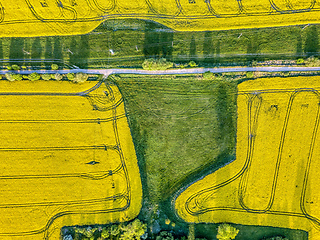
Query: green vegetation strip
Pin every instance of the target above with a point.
(114, 45)
(179, 125)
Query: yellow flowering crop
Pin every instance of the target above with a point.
(25, 18)
(67, 158)
(274, 180)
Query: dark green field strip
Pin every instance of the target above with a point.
(178, 126)
(105, 47)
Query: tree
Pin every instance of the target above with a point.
(207, 75)
(46, 76)
(13, 77)
(111, 232)
(133, 230)
(54, 66)
(164, 235)
(70, 76)
(33, 76)
(152, 64)
(249, 74)
(191, 234)
(80, 77)
(15, 67)
(192, 64)
(276, 238)
(227, 232)
(57, 76)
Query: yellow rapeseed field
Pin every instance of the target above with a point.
(274, 180)
(25, 18)
(67, 158)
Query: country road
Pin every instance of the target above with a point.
(108, 72)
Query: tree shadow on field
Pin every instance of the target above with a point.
(225, 108)
(193, 49)
(299, 50)
(218, 50)
(252, 48)
(36, 51)
(151, 45)
(57, 49)
(208, 48)
(311, 46)
(16, 50)
(84, 52)
(1, 50)
(48, 49)
(73, 51)
(166, 45)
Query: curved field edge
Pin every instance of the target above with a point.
(167, 113)
(221, 204)
(33, 18)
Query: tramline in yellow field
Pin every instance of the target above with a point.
(25, 18)
(274, 180)
(67, 158)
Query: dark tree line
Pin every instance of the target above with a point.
(79, 51)
(49, 48)
(157, 44)
(311, 46)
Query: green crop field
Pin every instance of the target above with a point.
(173, 120)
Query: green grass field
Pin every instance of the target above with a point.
(127, 43)
(179, 126)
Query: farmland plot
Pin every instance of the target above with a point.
(274, 180)
(67, 158)
(25, 18)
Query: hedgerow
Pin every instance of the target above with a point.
(159, 64)
(70, 76)
(57, 76)
(80, 77)
(34, 76)
(46, 76)
(13, 77)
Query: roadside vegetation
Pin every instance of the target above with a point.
(192, 117)
(136, 230)
(15, 75)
